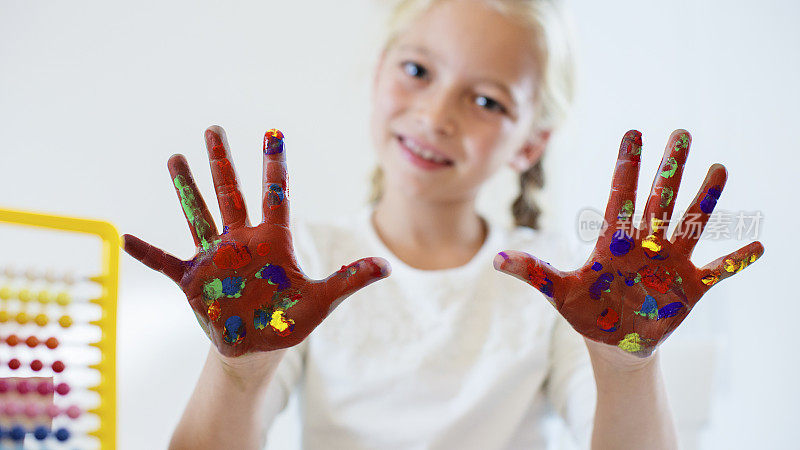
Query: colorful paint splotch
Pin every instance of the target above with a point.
(234, 331)
(230, 287)
(621, 243)
(232, 255)
(600, 285)
(658, 279)
(192, 211)
(666, 196)
(626, 211)
(608, 320)
(709, 201)
(669, 168)
(275, 320)
(649, 308)
(538, 279)
(274, 274)
(682, 143)
(214, 311)
(653, 249)
(632, 146)
(734, 266)
(274, 195)
(710, 279)
(670, 310)
(273, 142)
(212, 290)
(597, 267)
(631, 343)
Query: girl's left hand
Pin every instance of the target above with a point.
(637, 286)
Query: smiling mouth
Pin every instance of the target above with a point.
(421, 154)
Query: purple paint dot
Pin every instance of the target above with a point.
(597, 267)
(602, 283)
(621, 243)
(670, 310)
(710, 200)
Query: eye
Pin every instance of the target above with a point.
(413, 69)
(490, 104)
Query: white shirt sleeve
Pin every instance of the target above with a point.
(570, 384)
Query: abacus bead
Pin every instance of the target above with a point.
(41, 320)
(24, 386)
(45, 388)
(65, 321)
(3, 316)
(43, 297)
(3, 386)
(73, 412)
(32, 341)
(5, 293)
(12, 340)
(40, 433)
(58, 366)
(62, 388)
(31, 410)
(14, 364)
(17, 433)
(51, 343)
(36, 365)
(62, 434)
(62, 299)
(52, 410)
(11, 408)
(21, 318)
(24, 295)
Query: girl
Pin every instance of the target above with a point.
(444, 353)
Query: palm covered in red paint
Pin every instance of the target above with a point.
(637, 286)
(244, 285)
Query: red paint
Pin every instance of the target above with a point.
(536, 276)
(232, 255)
(262, 248)
(658, 279)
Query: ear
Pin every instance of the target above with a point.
(531, 151)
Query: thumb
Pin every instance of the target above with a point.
(352, 277)
(531, 270)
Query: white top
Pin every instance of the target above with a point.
(464, 358)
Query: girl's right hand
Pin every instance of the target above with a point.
(244, 285)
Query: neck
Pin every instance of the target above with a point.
(429, 234)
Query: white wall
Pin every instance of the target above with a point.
(94, 96)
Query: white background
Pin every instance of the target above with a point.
(95, 96)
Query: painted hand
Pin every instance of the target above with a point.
(637, 287)
(244, 285)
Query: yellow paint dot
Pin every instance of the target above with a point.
(278, 321)
(710, 280)
(63, 299)
(655, 224)
(41, 320)
(631, 343)
(651, 243)
(65, 321)
(730, 265)
(21, 318)
(753, 258)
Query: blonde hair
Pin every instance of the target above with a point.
(552, 39)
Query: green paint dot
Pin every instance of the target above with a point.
(191, 209)
(631, 343)
(626, 211)
(670, 167)
(666, 196)
(212, 290)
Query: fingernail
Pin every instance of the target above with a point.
(273, 142)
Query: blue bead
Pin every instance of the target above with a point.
(40, 433)
(62, 434)
(17, 433)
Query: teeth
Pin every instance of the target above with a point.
(423, 153)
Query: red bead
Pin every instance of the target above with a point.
(3, 386)
(32, 341)
(62, 388)
(51, 343)
(45, 388)
(58, 366)
(73, 412)
(14, 364)
(23, 386)
(36, 365)
(12, 340)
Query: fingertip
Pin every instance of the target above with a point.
(273, 142)
(132, 245)
(499, 260)
(384, 266)
(175, 163)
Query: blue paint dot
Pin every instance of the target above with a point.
(597, 267)
(649, 306)
(234, 331)
(275, 275)
(231, 286)
(670, 310)
(710, 200)
(602, 283)
(621, 243)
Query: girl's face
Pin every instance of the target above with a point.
(453, 100)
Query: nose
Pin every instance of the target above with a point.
(435, 112)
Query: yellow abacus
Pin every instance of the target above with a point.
(107, 301)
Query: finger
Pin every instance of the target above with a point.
(622, 198)
(533, 271)
(664, 190)
(275, 190)
(730, 264)
(351, 278)
(194, 208)
(231, 202)
(691, 226)
(154, 257)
